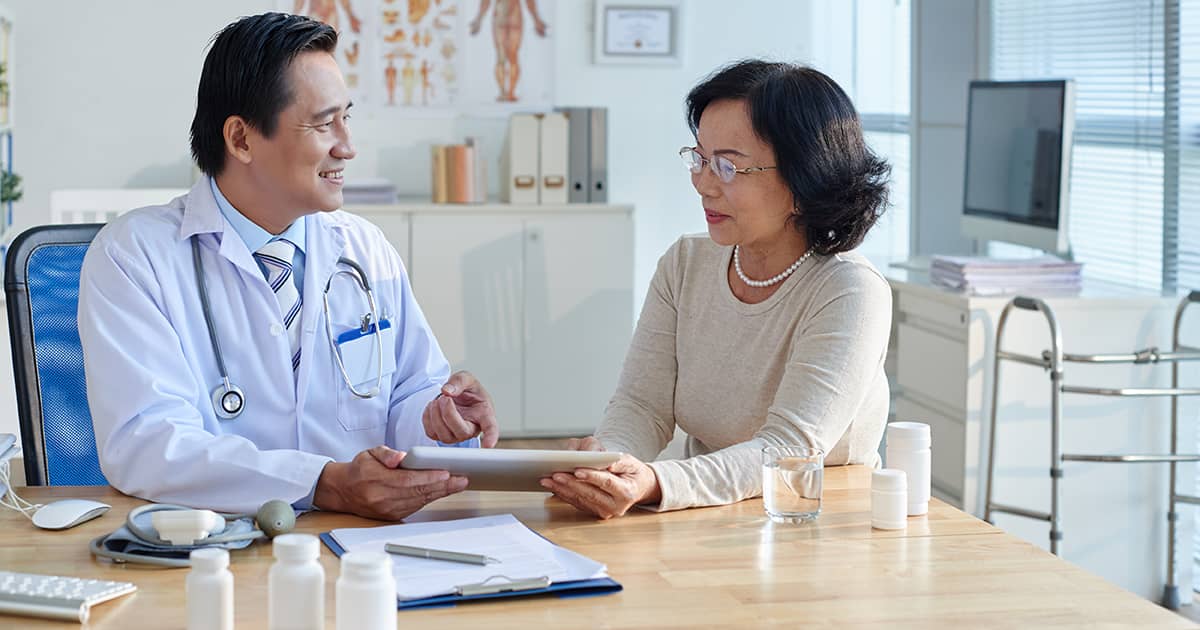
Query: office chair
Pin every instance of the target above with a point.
(42, 285)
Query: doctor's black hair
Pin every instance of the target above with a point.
(245, 74)
(840, 187)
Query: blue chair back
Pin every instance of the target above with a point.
(42, 286)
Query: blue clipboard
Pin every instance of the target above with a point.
(575, 588)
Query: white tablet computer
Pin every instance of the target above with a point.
(503, 468)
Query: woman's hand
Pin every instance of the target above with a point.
(607, 493)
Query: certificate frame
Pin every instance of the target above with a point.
(648, 32)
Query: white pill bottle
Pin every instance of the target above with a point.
(366, 592)
(908, 449)
(296, 584)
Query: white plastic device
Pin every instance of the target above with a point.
(186, 527)
(68, 513)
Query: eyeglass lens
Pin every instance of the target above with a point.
(721, 167)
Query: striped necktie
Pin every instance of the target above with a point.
(276, 256)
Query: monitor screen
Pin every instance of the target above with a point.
(1015, 146)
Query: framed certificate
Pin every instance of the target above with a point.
(646, 32)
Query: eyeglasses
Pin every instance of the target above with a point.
(720, 166)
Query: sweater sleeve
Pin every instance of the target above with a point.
(834, 357)
(640, 417)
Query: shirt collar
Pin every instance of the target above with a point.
(253, 235)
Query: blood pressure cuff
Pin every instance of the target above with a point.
(123, 541)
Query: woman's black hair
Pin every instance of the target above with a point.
(245, 74)
(840, 187)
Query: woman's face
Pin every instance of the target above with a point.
(753, 209)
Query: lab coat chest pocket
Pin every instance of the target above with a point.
(361, 358)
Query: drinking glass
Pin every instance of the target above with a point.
(792, 480)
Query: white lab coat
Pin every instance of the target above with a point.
(151, 368)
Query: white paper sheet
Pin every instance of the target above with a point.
(522, 553)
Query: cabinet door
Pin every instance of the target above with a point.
(396, 227)
(578, 318)
(468, 281)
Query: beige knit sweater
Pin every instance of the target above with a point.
(803, 367)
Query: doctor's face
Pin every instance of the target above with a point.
(300, 166)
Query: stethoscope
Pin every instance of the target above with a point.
(228, 399)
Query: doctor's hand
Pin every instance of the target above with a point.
(462, 411)
(610, 492)
(371, 485)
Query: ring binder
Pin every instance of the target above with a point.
(486, 587)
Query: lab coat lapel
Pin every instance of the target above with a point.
(202, 216)
(325, 243)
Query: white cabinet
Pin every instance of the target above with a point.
(537, 301)
(469, 280)
(396, 225)
(1112, 514)
(578, 318)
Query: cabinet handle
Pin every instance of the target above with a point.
(533, 236)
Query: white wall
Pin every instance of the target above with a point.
(104, 93)
(947, 53)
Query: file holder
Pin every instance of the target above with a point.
(1052, 361)
(508, 585)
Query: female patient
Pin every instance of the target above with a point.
(769, 330)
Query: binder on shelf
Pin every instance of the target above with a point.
(598, 156)
(520, 163)
(552, 162)
(579, 120)
(587, 155)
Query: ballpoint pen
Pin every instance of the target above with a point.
(439, 554)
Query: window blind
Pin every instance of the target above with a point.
(880, 89)
(1184, 136)
(1114, 50)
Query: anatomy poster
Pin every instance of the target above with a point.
(421, 57)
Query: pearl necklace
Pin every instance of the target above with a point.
(737, 266)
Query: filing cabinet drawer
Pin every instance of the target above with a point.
(932, 366)
(950, 320)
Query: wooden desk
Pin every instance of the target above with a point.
(719, 567)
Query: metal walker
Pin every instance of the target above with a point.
(1052, 360)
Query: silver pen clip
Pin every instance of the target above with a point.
(508, 584)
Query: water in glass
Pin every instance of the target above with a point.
(792, 487)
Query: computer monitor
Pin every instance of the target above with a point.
(1018, 163)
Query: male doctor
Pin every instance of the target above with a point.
(262, 236)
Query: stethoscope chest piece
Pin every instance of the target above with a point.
(228, 401)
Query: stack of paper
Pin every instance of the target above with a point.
(521, 552)
(995, 276)
(368, 190)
